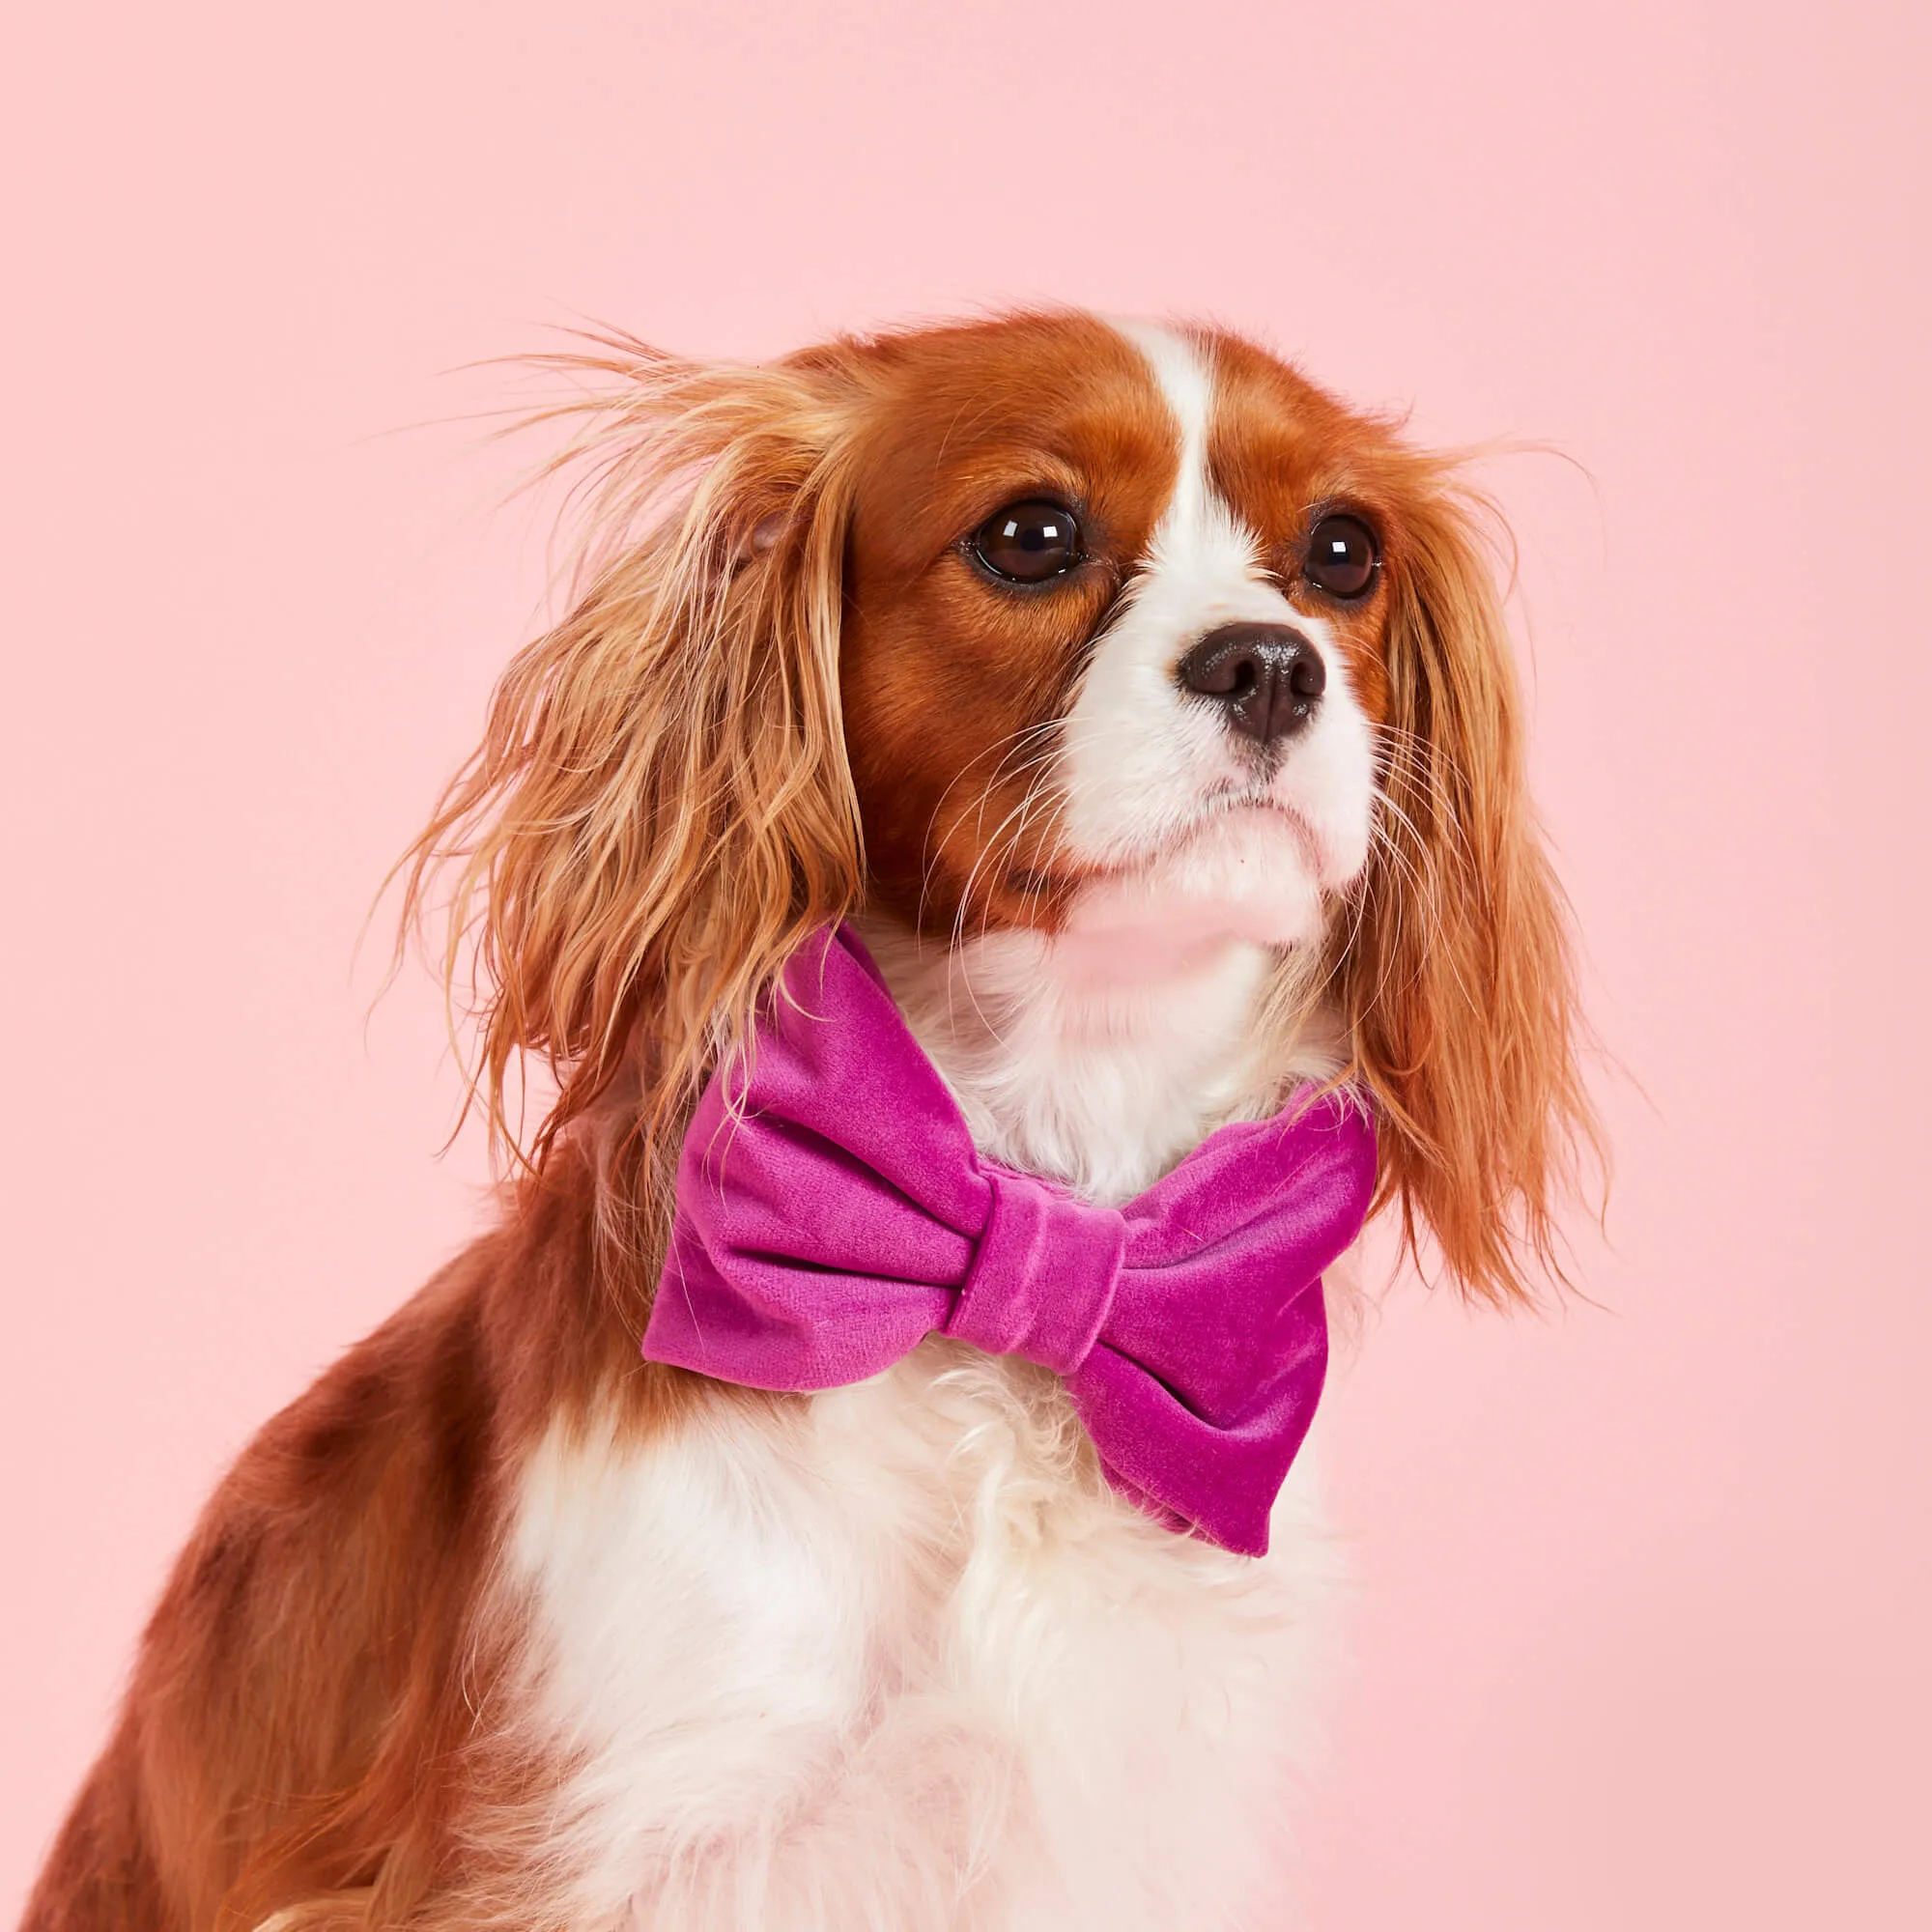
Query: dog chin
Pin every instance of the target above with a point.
(1248, 875)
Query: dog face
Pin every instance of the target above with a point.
(1129, 636)
(1113, 649)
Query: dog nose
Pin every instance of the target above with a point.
(1266, 677)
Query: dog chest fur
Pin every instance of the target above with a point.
(894, 1656)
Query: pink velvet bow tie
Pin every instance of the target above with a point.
(847, 1215)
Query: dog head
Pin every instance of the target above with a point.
(1133, 636)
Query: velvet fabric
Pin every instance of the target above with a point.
(838, 1213)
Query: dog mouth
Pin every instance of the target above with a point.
(1227, 811)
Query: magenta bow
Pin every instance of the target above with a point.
(847, 1215)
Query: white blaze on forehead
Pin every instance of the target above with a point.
(1199, 542)
(1187, 388)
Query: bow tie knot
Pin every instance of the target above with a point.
(1043, 1275)
(833, 1211)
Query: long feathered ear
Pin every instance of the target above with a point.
(1457, 978)
(660, 811)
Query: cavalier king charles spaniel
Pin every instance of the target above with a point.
(1142, 717)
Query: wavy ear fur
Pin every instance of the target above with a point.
(1456, 978)
(660, 809)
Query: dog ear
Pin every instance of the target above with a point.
(661, 810)
(1457, 978)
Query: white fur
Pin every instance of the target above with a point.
(894, 1656)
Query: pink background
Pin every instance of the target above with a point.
(1645, 1586)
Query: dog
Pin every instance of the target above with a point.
(1148, 717)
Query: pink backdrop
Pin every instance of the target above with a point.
(1645, 1586)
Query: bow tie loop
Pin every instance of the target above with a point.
(1043, 1276)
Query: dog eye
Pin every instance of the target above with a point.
(1343, 556)
(1027, 543)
